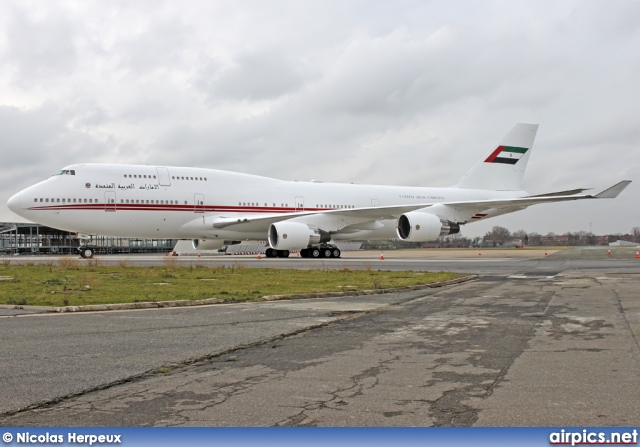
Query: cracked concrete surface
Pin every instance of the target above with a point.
(559, 351)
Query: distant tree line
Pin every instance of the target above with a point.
(501, 237)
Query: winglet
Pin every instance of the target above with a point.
(612, 193)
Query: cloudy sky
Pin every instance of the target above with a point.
(388, 92)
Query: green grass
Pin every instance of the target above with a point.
(70, 283)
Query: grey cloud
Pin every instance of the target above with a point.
(160, 45)
(43, 136)
(40, 45)
(253, 75)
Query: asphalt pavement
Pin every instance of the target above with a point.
(539, 342)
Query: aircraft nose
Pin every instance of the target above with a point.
(15, 203)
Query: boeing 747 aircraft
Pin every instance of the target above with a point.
(216, 208)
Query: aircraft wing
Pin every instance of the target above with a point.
(569, 192)
(609, 193)
(260, 222)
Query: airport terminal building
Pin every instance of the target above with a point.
(33, 239)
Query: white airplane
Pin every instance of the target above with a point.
(217, 208)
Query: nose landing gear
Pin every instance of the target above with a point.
(86, 252)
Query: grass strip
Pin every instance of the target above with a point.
(70, 282)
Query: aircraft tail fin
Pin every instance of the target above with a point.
(503, 168)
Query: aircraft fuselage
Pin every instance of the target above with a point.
(179, 202)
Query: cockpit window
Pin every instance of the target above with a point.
(67, 172)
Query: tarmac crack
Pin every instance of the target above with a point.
(164, 369)
(623, 314)
(360, 384)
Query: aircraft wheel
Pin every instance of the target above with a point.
(315, 253)
(304, 253)
(270, 253)
(335, 252)
(283, 253)
(326, 252)
(86, 252)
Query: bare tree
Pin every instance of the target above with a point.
(535, 239)
(522, 235)
(497, 235)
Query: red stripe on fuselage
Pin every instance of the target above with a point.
(154, 207)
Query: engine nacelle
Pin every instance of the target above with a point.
(211, 244)
(424, 227)
(294, 236)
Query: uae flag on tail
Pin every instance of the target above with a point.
(507, 155)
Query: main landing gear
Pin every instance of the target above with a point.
(323, 251)
(272, 253)
(86, 252)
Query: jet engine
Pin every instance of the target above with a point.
(211, 244)
(424, 227)
(294, 236)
